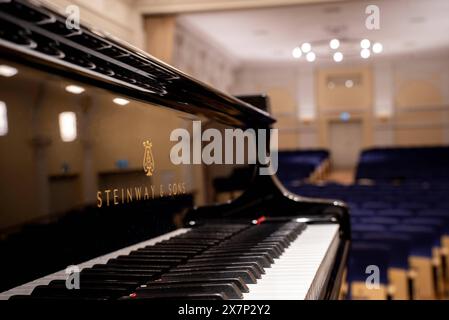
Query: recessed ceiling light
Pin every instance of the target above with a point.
(349, 83)
(334, 44)
(331, 85)
(7, 71)
(365, 53)
(365, 43)
(377, 47)
(74, 89)
(338, 56)
(311, 56)
(306, 47)
(120, 101)
(297, 53)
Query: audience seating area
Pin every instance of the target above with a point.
(383, 164)
(400, 231)
(300, 165)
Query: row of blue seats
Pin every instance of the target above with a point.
(425, 163)
(390, 223)
(298, 165)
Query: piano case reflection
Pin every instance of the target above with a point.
(87, 181)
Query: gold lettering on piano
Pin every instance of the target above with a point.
(129, 195)
(117, 196)
(146, 195)
(99, 199)
(107, 196)
(148, 159)
(138, 193)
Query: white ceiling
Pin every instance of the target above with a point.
(270, 34)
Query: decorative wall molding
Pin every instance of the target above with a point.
(179, 6)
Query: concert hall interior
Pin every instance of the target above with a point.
(224, 149)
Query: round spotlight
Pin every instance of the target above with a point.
(120, 101)
(338, 56)
(377, 47)
(7, 71)
(297, 53)
(365, 53)
(365, 44)
(311, 56)
(306, 47)
(349, 83)
(334, 44)
(74, 89)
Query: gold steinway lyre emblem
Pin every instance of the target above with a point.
(148, 160)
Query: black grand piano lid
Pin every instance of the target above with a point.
(38, 36)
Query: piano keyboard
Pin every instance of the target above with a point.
(297, 274)
(288, 260)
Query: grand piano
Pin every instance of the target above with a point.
(94, 208)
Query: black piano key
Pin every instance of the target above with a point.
(179, 246)
(238, 282)
(264, 262)
(196, 241)
(243, 247)
(236, 254)
(276, 246)
(228, 288)
(144, 261)
(272, 253)
(253, 270)
(212, 264)
(130, 285)
(130, 270)
(101, 275)
(141, 266)
(145, 268)
(169, 251)
(152, 255)
(246, 276)
(177, 296)
(47, 291)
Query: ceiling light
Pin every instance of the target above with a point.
(74, 89)
(331, 85)
(297, 53)
(334, 44)
(365, 43)
(120, 101)
(67, 126)
(365, 53)
(7, 71)
(338, 56)
(377, 47)
(306, 47)
(311, 56)
(349, 83)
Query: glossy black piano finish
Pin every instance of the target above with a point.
(83, 176)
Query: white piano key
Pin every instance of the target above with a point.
(293, 274)
(61, 275)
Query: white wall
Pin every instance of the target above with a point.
(300, 83)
